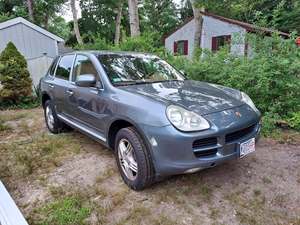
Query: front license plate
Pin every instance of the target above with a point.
(247, 147)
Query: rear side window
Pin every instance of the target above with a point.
(53, 66)
(64, 67)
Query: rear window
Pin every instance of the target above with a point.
(64, 67)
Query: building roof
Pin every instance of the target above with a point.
(18, 20)
(249, 27)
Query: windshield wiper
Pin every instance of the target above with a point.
(131, 82)
(136, 82)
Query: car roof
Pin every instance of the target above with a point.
(122, 53)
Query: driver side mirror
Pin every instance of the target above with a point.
(86, 80)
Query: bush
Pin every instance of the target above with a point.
(16, 84)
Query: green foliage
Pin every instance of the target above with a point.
(67, 211)
(159, 16)
(294, 121)
(147, 42)
(59, 27)
(4, 17)
(14, 77)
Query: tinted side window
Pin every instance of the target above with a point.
(64, 67)
(52, 67)
(83, 65)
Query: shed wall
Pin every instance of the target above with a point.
(29, 42)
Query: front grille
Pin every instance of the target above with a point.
(204, 153)
(205, 142)
(234, 136)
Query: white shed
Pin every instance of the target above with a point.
(216, 32)
(36, 44)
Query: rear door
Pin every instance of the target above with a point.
(86, 104)
(61, 81)
(48, 84)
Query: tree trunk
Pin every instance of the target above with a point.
(134, 18)
(46, 21)
(75, 22)
(30, 9)
(198, 24)
(118, 24)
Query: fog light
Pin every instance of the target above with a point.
(193, 170)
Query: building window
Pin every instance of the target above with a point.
(220, 41)
(181, 47)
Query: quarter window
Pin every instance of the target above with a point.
(83, 65)
(53, 66)
(64, 67)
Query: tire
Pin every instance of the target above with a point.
(53, 123)
(144, 175)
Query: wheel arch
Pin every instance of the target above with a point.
(45, 97)
(120, 123)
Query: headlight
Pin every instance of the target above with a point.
(185, 120)
(248, 101)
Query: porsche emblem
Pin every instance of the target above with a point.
(238, 114)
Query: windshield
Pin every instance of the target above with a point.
(126, 69)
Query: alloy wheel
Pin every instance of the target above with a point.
(127, 159)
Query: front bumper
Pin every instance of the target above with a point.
(176, 152)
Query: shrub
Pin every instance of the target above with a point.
(294, 121)
(16, 84)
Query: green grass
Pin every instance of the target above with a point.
(4, 127)
(39, 153)
(205, 192)
(13, 115)
(67, 211)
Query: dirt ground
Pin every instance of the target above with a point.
(40, 169)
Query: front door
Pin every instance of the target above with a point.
(86, 104)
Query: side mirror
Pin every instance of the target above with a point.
(86, 80)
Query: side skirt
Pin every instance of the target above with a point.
(83, 128)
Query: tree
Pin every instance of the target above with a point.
(185, 10)
(75, 22)
(159, 16)
(198, 23)
(30, 9)
(118, 23)
(16, 83)
(134, 18)
(45, 11)
(96, 20)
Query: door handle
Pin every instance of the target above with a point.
(70, 92)
(51, 85)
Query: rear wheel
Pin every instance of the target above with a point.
(133, 159)
(53, 123)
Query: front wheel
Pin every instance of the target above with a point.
(133, 159)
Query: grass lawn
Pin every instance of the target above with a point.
(69, 179)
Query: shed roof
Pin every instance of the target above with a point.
(249, 27)
(18, 20)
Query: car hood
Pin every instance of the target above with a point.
(200, 97)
